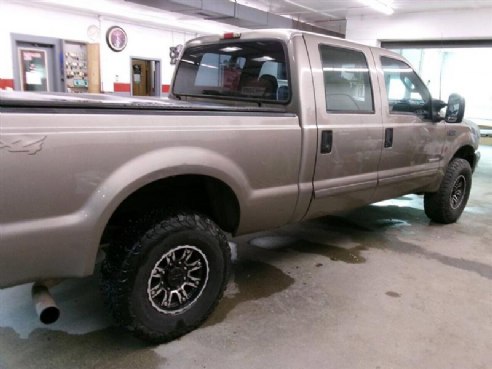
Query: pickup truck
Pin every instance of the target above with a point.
(261, 129)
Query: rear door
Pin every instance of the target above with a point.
(413, 144)
(348, 112)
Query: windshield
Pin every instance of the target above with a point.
(252, 70)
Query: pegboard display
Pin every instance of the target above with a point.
(75, 66)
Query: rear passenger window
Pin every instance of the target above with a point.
(347, 82)
(405, 90)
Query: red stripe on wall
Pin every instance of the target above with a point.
(165, 88)
(6, 83)
(121, 87)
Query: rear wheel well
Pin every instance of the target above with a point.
(202, 194)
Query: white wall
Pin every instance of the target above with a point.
(143, 41)
(462, 24)
(33, 21)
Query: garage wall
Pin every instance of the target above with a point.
(143, 42)
(146, 43)
(469, 24)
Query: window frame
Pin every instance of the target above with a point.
(408, 113)
(368, 112)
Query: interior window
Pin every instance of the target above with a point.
(347, 82)
(209, 75)
(405, 90)
(238, 70)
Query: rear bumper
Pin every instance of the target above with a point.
(54, 248)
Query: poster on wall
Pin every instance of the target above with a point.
(33, 69)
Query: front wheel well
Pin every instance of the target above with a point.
(467, 153)
(202, 194)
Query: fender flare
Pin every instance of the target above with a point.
(148, 168)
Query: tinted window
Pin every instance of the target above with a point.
(347, 82)
(240, 70)
(405, 90)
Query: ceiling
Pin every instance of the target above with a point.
(326, 13)
(325, 16)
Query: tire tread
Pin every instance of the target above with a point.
(436, 204)
(121, 266)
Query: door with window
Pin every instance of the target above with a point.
(349, 126)
(413, 144)
(36, 67)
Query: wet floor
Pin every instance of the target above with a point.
(377, 287)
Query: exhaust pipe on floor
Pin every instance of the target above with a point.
(44, 304)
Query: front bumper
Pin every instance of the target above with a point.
(477, 159)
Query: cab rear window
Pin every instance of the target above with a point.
(251, 70)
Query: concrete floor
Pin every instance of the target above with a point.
(379, 287)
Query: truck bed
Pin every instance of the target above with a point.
(34, 102)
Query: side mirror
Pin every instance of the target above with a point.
(437, 105)
(456, 109)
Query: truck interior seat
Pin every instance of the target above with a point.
(271, 85)
(339, 93)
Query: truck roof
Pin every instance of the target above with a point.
(274, 33)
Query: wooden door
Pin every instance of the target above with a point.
(141, 85)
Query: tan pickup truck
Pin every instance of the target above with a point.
(261, 129)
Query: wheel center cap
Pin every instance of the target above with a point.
(176, 277)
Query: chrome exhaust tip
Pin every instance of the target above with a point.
(46, 308)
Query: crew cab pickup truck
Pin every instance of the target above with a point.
(261, 129)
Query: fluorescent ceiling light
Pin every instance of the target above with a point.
(264, 58)
(291, 2)
(382, 6)
(398, 70)
(230, 49)
(345, 69)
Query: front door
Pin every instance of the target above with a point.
(349, 126)
(412, 150)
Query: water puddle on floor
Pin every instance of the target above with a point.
(350, 256)
(251, 280)
(285, 243)
(273, 242)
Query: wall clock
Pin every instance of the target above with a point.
(116, 38)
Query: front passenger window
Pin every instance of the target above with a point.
(405, 91)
